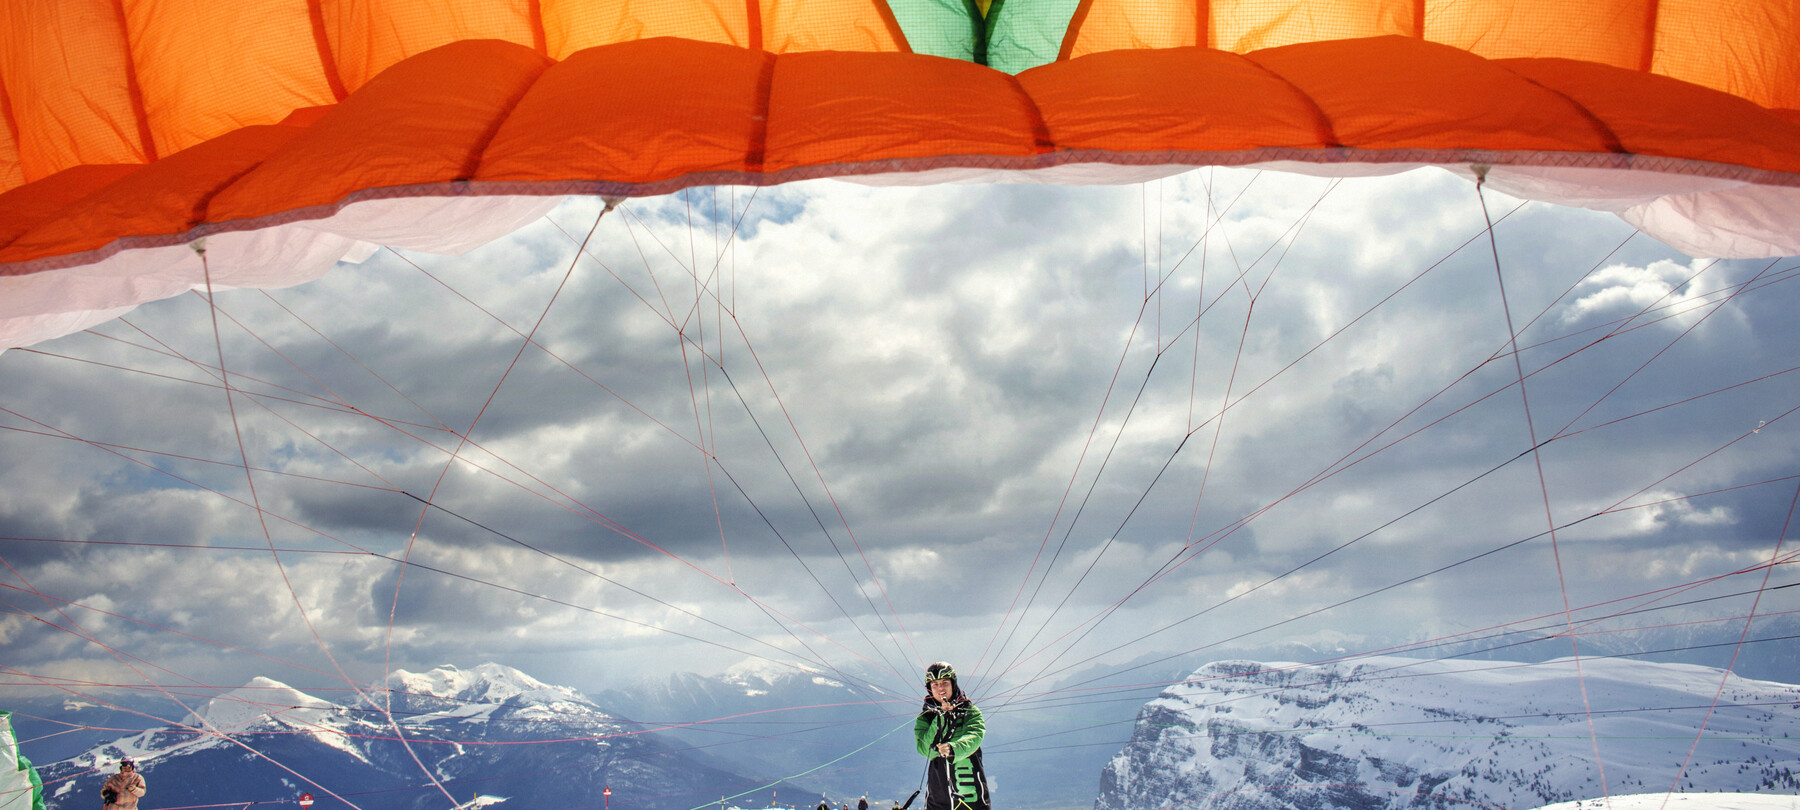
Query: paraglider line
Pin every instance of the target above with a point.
(1296, 361)
(400, 574)
(843, 520)
(1725, 678)
(1092, 432)
(547, 351)
(736, 225)
(1717, 306)
(577, 567)
(1095, 481)
(250, 479)
(1543, 483)
(813, 769)
(886, 664)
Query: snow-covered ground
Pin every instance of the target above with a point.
(1685, 801)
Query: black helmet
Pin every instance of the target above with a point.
(940, 671)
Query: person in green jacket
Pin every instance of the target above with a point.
(948, 732)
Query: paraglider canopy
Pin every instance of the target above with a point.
(293, 134)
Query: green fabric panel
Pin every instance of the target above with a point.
(22, 764)
(939, 27)
(1023, 34)
(37, 783)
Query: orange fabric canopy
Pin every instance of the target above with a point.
(136, 126)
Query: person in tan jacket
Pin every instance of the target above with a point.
(123, 789)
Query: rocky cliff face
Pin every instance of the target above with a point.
(1394, 733)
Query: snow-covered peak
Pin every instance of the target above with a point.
(753, 670)
(755, 674)
(260, 699)
(486, 683)
(520, 743)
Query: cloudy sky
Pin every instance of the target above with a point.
(1025, 429)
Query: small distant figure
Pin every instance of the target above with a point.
(862, 803)
(824, 805)
(123, 789)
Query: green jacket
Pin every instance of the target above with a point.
(963, 728)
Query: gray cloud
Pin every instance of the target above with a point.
(925, 395)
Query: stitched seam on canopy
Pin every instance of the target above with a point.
(1326, 131)
(753, 15)
(534, 14)
(757, 150)
(478, 150)
(1042, 143)
(132, 88)
(893, 25)
(1651, 14)
(1607, 135)
(984, 27)
(1069, 157)
(12, 126)
(1190, 158)
(315, 14)
(1073, 32)
(204, 204)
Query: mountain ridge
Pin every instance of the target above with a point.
(447, 735)
(1238, 728)
(1388, 732)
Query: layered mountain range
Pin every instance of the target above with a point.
(1385, 733)
(1390, 733)
(429, 740)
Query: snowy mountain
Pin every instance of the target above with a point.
(1379, 733)
(1051, 741)
(1396, 732)
(451, 689)
(428, 740)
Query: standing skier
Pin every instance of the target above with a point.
(948, 732)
